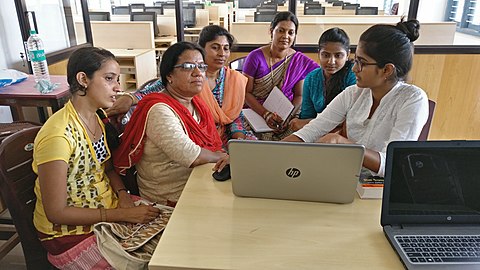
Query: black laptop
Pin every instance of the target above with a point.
(431, 203)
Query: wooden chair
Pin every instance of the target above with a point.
(237, 64)
(426, 128)
(17, 181)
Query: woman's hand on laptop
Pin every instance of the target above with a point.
(334, 138)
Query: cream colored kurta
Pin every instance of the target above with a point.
(168, 153)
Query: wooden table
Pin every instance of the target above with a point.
(24, 94)
(213, 229)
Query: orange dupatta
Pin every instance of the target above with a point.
(233, 99)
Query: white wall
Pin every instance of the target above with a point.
(432, 11)
(11, 45)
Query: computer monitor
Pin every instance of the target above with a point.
(168, 6)
(337, 4)
(197, 5)
(249, 3)
(312, 8)
(367, 11)
(121, 10)
(351, 6)
(99, 15)
(189, 16)
(267, 7)
(156, 9)
(137, 8)
(218, 1)
(265, 16)
(146, 16)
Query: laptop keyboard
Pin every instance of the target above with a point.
(441, 249)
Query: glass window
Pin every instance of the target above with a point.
(51, 21)
(461, 19)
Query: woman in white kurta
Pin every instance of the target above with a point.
(380, 108)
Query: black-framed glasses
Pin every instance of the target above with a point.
(361, 64)
(191, 66)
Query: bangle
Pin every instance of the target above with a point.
(103, 214)
(122, 189)
(266, 114)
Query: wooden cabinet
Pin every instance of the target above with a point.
(136, 67)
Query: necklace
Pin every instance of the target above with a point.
(86, 125)
(271, 64)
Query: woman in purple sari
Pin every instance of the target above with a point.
(277, 65)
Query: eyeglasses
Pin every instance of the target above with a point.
(191, 66)
(361, 64)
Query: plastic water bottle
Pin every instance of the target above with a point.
(37, 56)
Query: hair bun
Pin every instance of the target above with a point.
(410, 28)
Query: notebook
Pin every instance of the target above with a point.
(431, 203)
(295, 171)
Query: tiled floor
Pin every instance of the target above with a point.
(14, 260)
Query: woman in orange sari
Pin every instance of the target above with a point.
(224, 91)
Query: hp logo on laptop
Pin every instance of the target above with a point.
(292, 172)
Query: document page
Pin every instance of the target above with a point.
(276, 102)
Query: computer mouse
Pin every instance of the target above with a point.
(222, 175)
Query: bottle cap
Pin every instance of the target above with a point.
(33, 32)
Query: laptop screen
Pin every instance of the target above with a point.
(432, 182)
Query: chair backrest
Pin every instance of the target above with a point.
(149, 16)
(17, 180)
(426, 128)
(237, 64)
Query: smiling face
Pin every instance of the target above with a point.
(332, 57)
(283, 35)
(184, 82)
(217, 53)
(104, 84)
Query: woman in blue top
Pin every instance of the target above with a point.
(333, 76)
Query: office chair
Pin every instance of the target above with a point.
(156, 9)
(99, 15)
(121, 10)
(17, 180)
(367, 11)
(237, 64)
(137, 7)
(146, 16)
(426, 128)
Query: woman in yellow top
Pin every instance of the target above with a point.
(77, 186)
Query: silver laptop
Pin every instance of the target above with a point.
(295, 171)
(431, 203)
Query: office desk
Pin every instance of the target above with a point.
(24, 94)
(213, 229)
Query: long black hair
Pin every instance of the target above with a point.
(335, 84)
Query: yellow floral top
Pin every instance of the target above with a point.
(63, 137)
